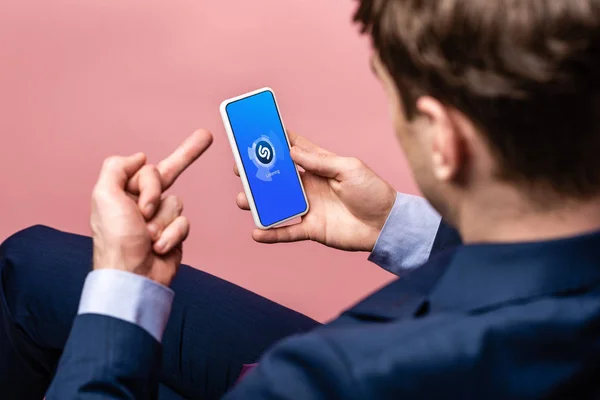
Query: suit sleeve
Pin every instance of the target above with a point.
(107, 358)
(113, 350)
(446, 238)
(304, 367)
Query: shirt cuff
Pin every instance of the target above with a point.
(407, 237)
(129, 297)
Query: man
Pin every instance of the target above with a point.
(495, 105)
(214, 327)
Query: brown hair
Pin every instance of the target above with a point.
(526, 72)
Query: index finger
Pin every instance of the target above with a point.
(304, 143)
(298, 141)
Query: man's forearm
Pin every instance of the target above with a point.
(113, 351)
(129, 297)
(107, 358)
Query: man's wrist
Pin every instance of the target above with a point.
(376, 231)
(407, 237)
(129, 297)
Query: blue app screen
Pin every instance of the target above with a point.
(265, 154)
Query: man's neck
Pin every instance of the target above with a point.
(505, 216)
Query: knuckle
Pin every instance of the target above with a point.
(185, 223)
(112, 162)
(175, 202)
(164, 169)
(100, 194)
(355, 163)
(149, 171)
(185, 228)
(152, 169)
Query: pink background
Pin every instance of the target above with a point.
(81, 80)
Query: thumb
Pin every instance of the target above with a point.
(323, 164)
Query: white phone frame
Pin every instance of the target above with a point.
(238, 159)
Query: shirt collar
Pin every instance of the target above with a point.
(487, 275)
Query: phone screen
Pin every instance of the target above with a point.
(265, 154)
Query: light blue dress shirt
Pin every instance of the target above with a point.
(404, 243)
(129, 297)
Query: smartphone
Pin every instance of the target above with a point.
(261, 150)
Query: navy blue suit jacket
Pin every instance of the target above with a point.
(107, 358)
(476, 322)
(479, 321)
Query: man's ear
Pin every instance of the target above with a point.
(447, 146)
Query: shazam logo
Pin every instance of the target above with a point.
(262, 154)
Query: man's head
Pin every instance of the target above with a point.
(492, 93)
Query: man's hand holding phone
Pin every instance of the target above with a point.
(349, 203)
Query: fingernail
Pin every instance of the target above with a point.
(161, 244)
(149, 209)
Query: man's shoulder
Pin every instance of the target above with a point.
(403, 342)
(489, 354)
(525, 349)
